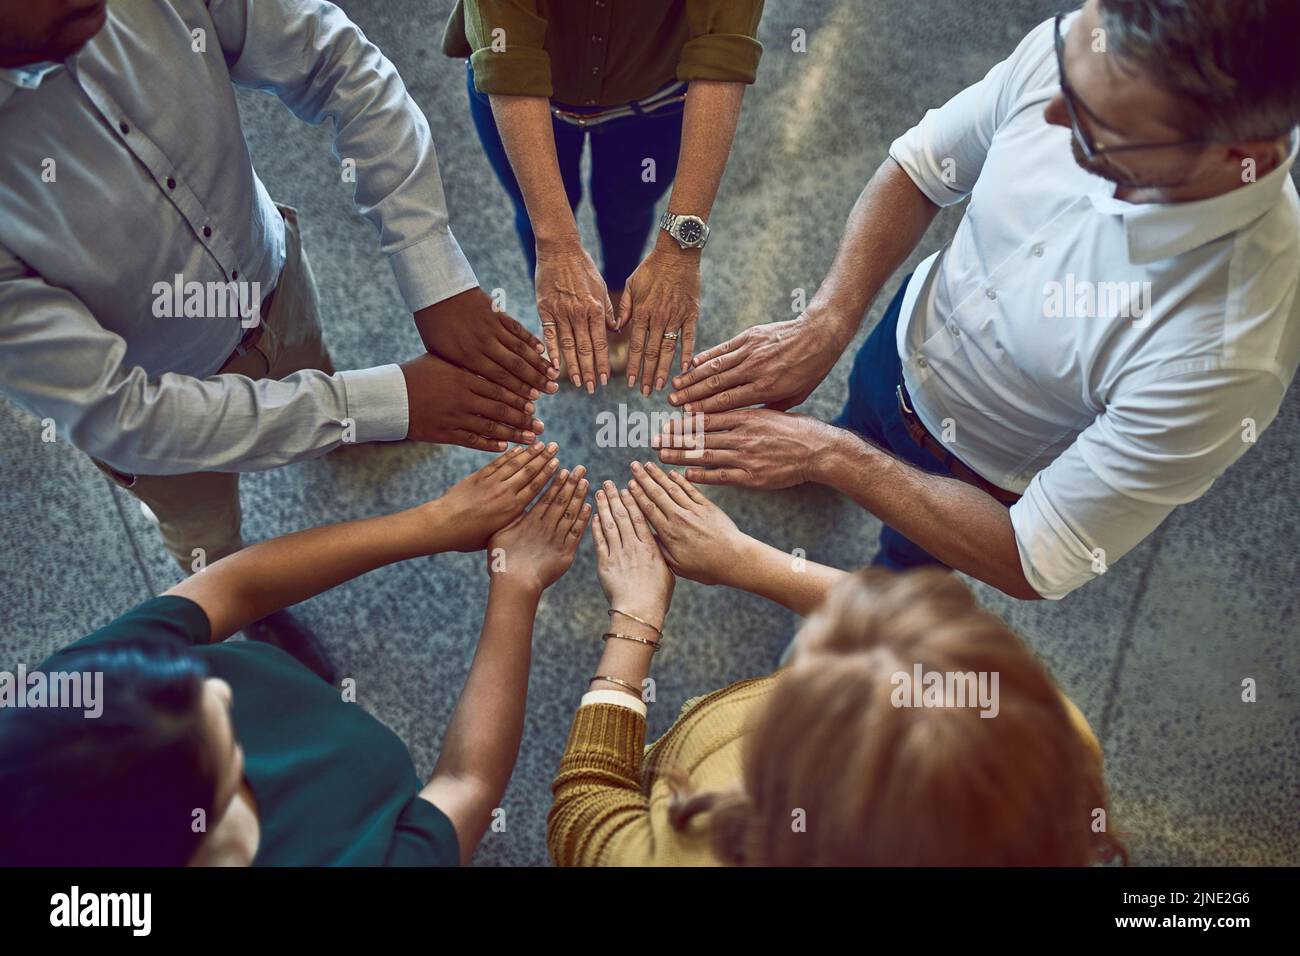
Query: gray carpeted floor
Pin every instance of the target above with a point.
(1154, 652)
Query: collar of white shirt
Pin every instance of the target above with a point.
(30, 77)
(1157, 231)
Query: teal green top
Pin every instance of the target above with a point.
(334, 786)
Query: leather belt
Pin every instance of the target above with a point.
(253, 335)
(921, 436)
(670, 94)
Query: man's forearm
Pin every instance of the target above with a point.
(248, 585)
(525, 125)
(481, 743)
(708, 129)
(888, 220)
(960, 525)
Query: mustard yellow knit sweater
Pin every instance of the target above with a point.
(612, 794)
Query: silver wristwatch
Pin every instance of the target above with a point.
(691, 232)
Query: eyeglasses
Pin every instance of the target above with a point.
(1074, 106)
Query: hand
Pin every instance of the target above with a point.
(468, 332)
(753, 447)
(538, 547)
(478, 506)
(777, 365)
(697, 538)
(451, 406)
(662, 295)
(574, 307)
(631, 568)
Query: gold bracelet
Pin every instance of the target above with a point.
(615, 680)
(639, 620)
(631, 637)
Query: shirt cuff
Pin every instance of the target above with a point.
(431, 270)
(725, 57)
(524, 71)
(616, 697)
(911, 153)
(1053, 559)
(376, 403)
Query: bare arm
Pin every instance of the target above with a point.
(481, 743)
(248, 585)
(663, 294)
(960, 525)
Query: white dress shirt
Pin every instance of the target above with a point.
(126, 165)
(1105, 405)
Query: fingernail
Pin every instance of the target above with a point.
(659, 383)
(580, 470)
(529, 437)
(577, 382)
(530, 407)
(552, 387)
(552, 448)
(564, 473)
(631, 380)
(541, 349)
(553, 464)
(645, 390)
(534, 394)
(501, 446)
(672, 397)
(604, 379)
(636, 466)
(631, 484)
(537, 425)
(687, 407)
(591, 389)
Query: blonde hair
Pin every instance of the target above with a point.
(877, 784)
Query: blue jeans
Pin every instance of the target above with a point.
(872, 412)
(623, 200)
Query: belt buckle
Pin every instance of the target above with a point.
(902, 400)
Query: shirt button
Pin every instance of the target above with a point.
(991, 293)
(590, 103)
(952, 327)
(235, 274)
(921, 362)
(1038, 249)
(171, 183)
(207, 231)
(595, 71)
(124, 128)
(596, 38)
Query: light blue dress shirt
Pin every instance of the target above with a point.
(126, 165)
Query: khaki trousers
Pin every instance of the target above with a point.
(199, 513)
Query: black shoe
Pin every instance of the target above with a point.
(281, 629)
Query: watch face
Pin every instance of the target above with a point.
(691, 231)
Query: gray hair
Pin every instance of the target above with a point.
(1232, 62)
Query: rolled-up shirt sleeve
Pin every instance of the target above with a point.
(1153, 449)
(723, 44)
(320, 65)
(509, 42)
(58, 363)
(945, 152)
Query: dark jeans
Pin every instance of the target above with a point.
(872, 411)
(623, 200)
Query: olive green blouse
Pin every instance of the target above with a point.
(334, 786)
(603, 52)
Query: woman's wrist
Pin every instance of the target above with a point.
(558, 241)
(630, 612)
